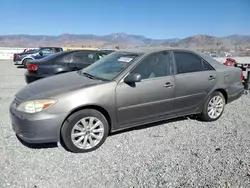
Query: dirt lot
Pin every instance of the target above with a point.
(178, 153)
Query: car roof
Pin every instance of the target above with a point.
(50, 47)
(152, 49)
(103, 49)
(72, 51)
(79, 50)
(148, 50)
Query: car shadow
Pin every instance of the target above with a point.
(20, 67)
(38, 146)
(153, 124)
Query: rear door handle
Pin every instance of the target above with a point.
(168, 84)
(211, 77)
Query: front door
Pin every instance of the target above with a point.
(195, 78)
(151, 98)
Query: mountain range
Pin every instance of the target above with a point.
(123, 40)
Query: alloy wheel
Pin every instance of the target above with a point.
(87, 132)
(215, 107)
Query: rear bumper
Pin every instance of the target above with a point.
(236, 95)
(31, 77)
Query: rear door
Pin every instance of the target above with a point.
(62, 63)
(194, 79)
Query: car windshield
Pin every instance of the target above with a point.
(110, 66)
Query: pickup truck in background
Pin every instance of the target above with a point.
(22, 58)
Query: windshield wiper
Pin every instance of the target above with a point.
(92, 77)
(88, 75)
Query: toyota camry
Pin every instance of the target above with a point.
(126, 88)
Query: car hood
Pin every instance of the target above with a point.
(55, 85)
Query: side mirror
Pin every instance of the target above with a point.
(41, 53)
(132, 78)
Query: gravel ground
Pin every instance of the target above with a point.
(179, 153)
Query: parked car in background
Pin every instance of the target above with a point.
(109, 50)
(124, 89)
(62, 62)
(29, 50)
(79, 48)
(24, 57)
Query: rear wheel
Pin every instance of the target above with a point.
(84, 131)
(213, 107)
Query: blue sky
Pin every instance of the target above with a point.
(151, 18)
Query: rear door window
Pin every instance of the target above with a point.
(89, 57)
(83, 59)
(66, 58)
(187, 62)
(77, 57)
(57, 50)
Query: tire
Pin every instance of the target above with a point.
(25, 61)
(73, 125)
(205, 115)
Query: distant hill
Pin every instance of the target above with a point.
(123, 40)
(210, 42)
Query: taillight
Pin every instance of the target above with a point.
(14, 57)
(32, 67)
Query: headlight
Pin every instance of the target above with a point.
(35, 106)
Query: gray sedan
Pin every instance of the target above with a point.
(125, 89)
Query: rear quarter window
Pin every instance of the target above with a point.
(57, 50)
(206, 66)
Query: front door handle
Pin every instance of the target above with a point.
(211, 77)
(168, 84)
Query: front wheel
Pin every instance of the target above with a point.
(84, 131)
(213, 107)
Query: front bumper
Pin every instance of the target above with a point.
(36, 128)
